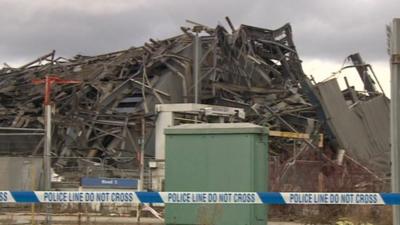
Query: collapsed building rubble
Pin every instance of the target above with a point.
(247, 67)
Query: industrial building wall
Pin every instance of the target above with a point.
(20, 173)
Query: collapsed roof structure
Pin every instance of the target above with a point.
(247, 67)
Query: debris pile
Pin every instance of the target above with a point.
(247, 67)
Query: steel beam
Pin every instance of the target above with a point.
(196, 66)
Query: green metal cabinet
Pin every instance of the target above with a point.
(216, 157)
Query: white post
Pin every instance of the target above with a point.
(395, 110)
(47, 149)
(47, 158)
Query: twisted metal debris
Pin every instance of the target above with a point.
(247, 67)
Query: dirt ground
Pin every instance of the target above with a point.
(14, 219)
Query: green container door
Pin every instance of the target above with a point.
(216, 157)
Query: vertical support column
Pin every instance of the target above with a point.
(47, 149)
(196, 66)
(164, 119)
(395, 110)
(141, 166)
(47, 158)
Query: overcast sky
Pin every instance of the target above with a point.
(325, 32)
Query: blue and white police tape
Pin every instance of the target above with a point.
(307, 198)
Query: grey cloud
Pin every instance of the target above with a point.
(322, 29)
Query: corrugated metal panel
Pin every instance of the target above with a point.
(363, 130)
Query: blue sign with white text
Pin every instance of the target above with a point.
(120, 183)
